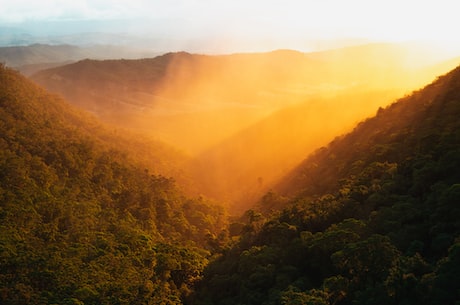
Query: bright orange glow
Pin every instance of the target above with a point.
(246, 119)
(204, 99)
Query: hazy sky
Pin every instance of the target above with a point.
(264, 23)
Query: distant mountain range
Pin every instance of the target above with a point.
(83, 37)
(32, 58)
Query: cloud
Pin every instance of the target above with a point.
(277, 20)
(51, 10)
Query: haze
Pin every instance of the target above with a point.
(240, 26)
(244, 114)
(245, 120)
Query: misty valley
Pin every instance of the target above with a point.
(282, 177)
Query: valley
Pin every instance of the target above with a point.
(244, 119)
(280, 177)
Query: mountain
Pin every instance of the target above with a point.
(85, 216)
(178, 96)
(32, 58)
(371, 218)
(17, 56)
(195, 101)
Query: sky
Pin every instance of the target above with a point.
(239, 24)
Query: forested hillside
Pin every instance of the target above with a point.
(86, 216)
(82, 219)
(373, 218)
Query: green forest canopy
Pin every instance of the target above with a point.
(82, 223)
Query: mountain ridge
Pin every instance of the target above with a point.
(246, 85)
(32, 58)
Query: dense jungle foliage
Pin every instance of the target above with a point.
(374, 218)
(80, 221)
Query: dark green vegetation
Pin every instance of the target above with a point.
(81, 222)
(374, 218)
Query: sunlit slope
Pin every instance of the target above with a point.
(196, 101)
(372, 218)
(243, 167)
(83, 219)
(416, 128)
